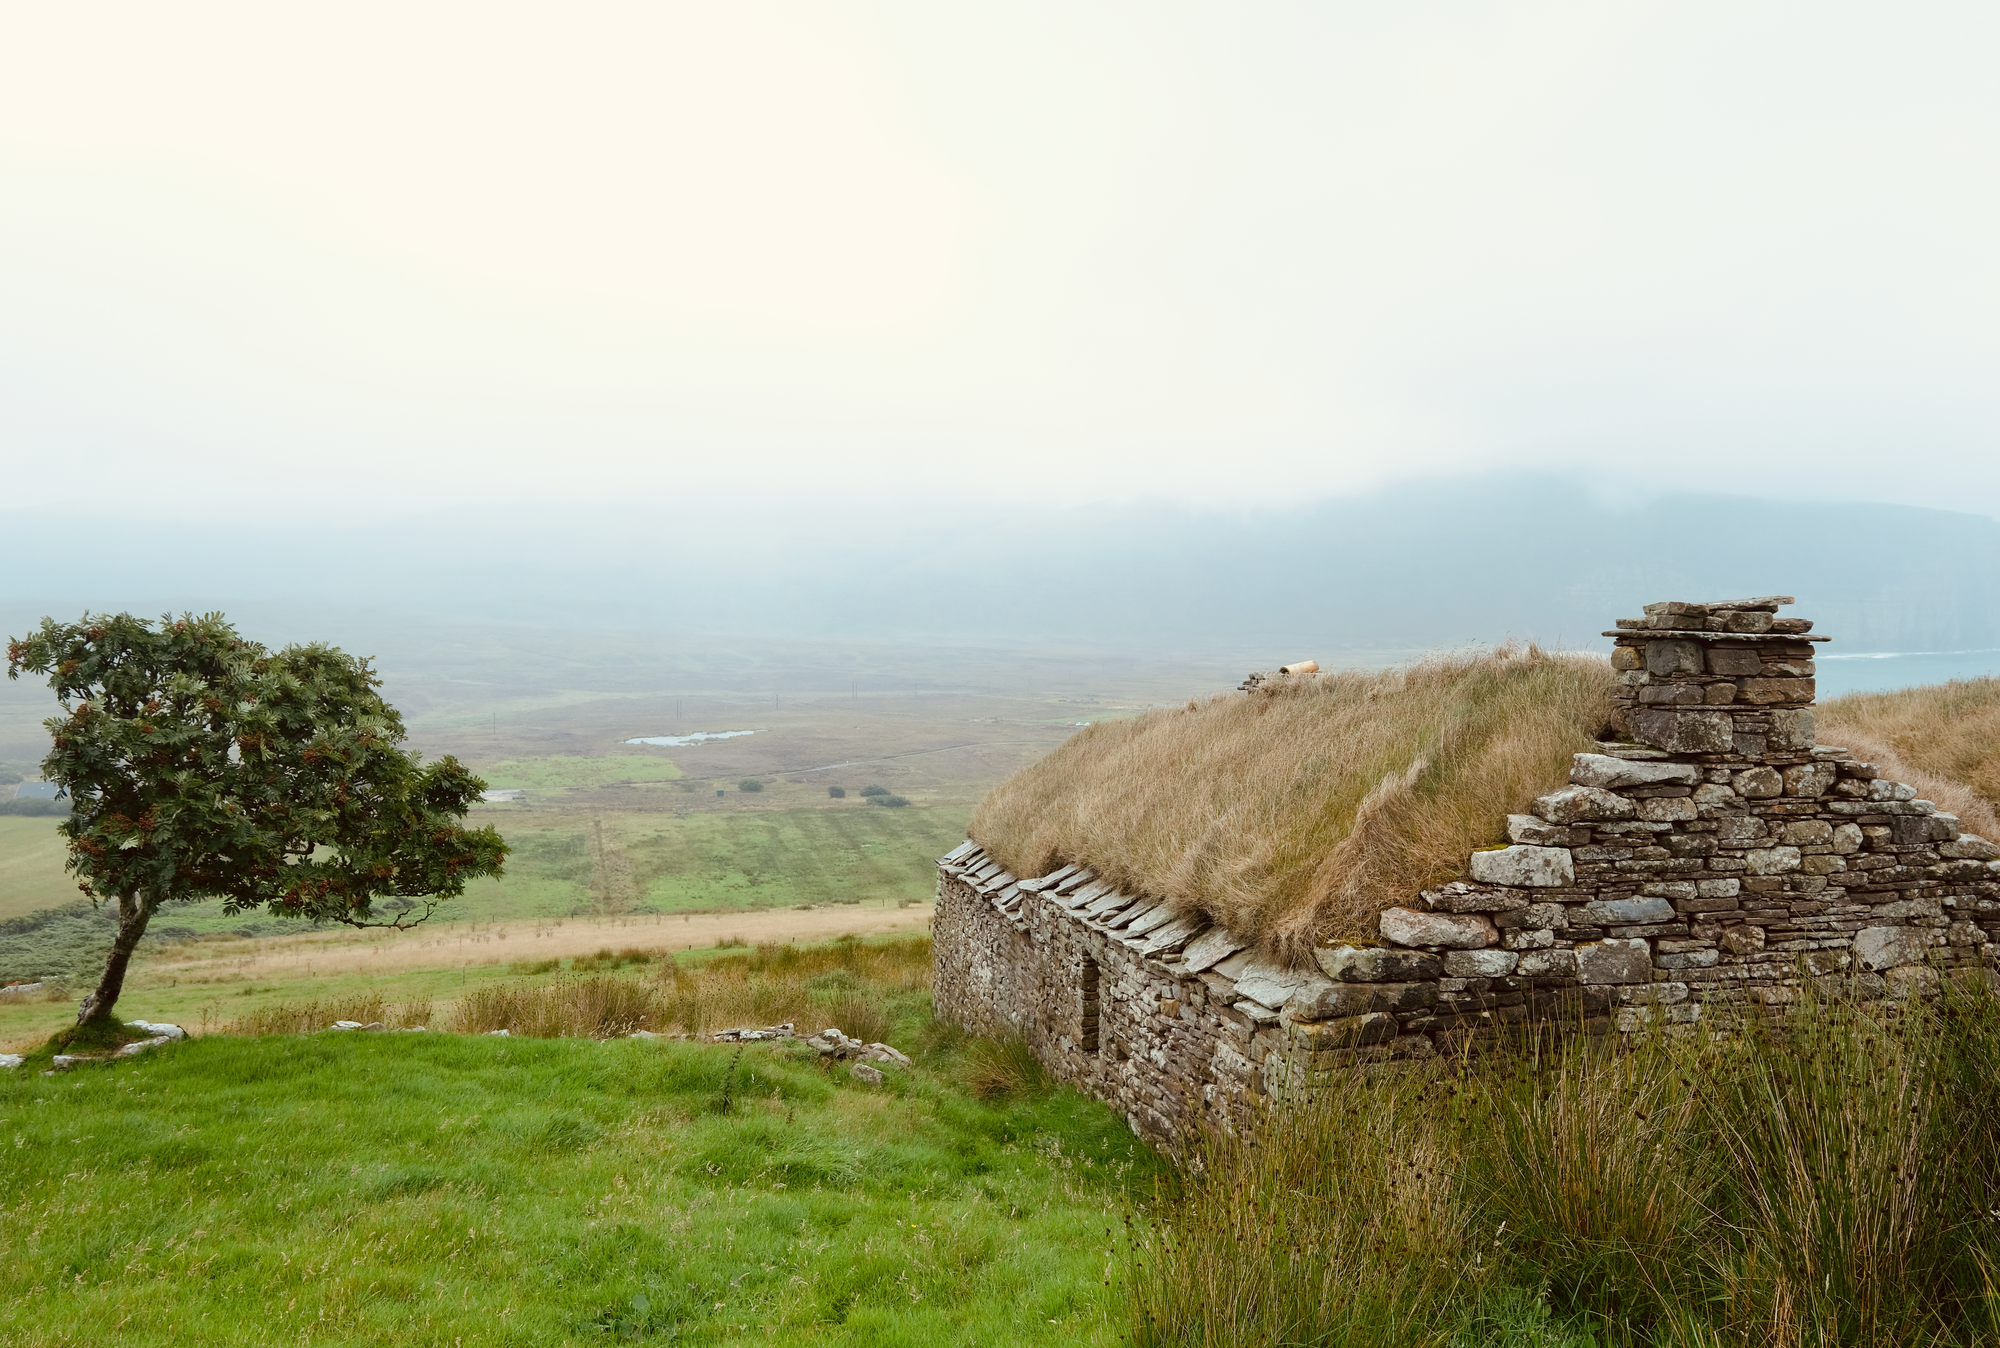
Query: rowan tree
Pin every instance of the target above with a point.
(200, 765)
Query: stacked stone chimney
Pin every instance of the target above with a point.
(1730, 679)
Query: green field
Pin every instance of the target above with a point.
(564, 864)
(558, 772)
(436, 1189)
(31, 867)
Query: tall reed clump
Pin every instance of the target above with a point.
(593, 1006)
(1339, 1221)
(860, 988)
(309, 1017)
(1943, 739)
(1829, 1178)
(1302, 810)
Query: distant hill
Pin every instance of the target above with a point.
(1412, 566)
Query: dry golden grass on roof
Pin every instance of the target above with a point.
(1300, 811)
(1943, 739)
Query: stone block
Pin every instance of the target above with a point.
(1447, 931)
(1543, 917)
(1525, 867)
(1758, 783)
(1375, 1027)
(1791, 731)
(1626, 912)
(1531, 938)
(1480, 963)
(1548, 964)
(1685, 732)
(1775, 692)
(1626, 658)
(1602, 770)
(1739, 831)
(1823, 865)
(1668, 810)
(1673, 657)
(1809, 781)
(1536, 831)
(1734, 661)
(1459, 897)
(1715, 796)
(1846, 839)
(1878, 949)
(1912, 980)
(1969, 847)
(1270, 984)
(1652, 994)
(1687, 959)
(1328, 1000)
(1750, 622)
(1673, 695)
(1807, 833)
(1718, 889)
(1741, 938)
(1210, 949)
(1575, 804)
(1771, 860)
(1373, 964)
(1615, 961)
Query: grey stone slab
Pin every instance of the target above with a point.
(1211, 948)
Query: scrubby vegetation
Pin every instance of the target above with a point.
(863, 988)
(1304, 809)
(1830, 1180)
(1943, 739)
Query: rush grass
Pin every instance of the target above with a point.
(440, 1189)
(1830, 1180)
(871, 990)
(1302, 810)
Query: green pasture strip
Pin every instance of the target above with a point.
(558, 771)
(778, 858)
(31, 867)
(701, 863)
(435, 1189)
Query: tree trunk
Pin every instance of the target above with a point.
(132, 919)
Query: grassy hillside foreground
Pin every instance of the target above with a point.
(443, 1189)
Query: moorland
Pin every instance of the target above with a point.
(269, 1179)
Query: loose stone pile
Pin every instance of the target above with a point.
(1710, 855)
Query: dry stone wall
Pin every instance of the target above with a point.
(1710, 860)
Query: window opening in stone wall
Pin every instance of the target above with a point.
(1087, 1030)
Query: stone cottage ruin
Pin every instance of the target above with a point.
(1711, 857)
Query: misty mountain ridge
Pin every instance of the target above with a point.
(1413, 566)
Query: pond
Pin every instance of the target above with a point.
(674, 741)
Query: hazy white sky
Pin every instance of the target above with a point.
(376, 258)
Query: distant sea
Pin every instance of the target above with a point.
(1888, 670)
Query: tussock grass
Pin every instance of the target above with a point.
(995, 1068)
(316, 1014)
(1832, 1178)
(598, 1006)
(1302, 810)
(1338, 1222)
(1943, 739)
(862, 989)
